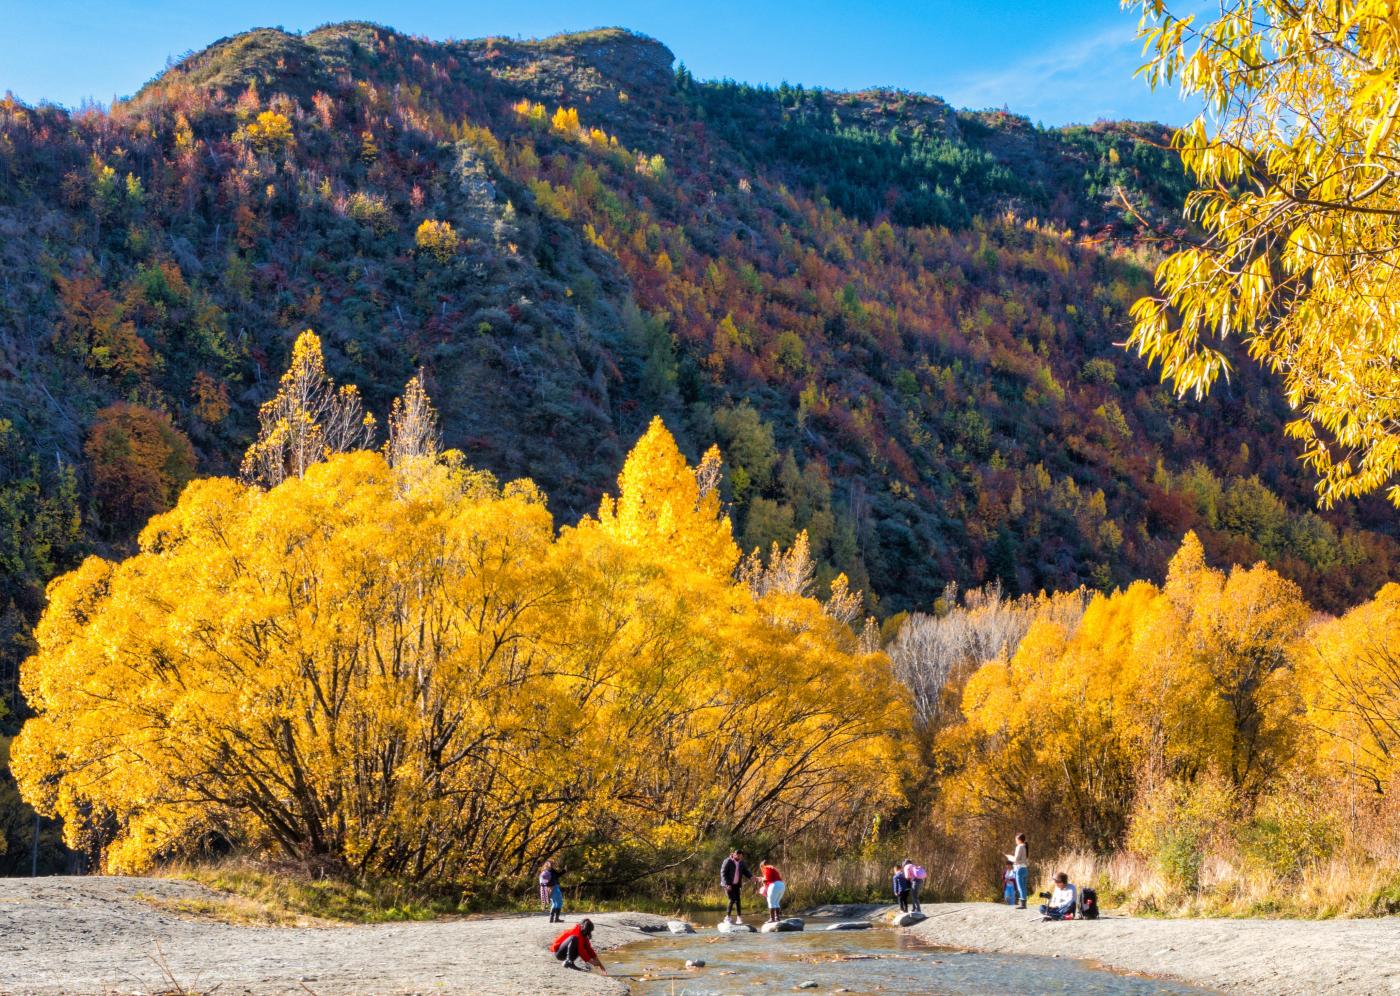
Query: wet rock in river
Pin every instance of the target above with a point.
(726, 927)
(791, 923)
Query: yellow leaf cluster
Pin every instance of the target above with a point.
(1299, 197)
(269, 132)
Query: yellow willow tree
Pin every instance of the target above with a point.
(1351, 674)
(1298, 168)
(327, 667)
(745, 712)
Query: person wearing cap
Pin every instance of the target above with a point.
(1062, 900)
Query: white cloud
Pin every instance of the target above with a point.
(1080, 80)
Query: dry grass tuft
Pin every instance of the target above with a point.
(1349, 884)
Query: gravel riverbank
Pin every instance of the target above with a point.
(104, 935)
(1268, 957)
(96, 935)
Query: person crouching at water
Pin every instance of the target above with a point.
(551, 893)
(574, 944)
(731, 875)
(772, 887)
(901, 888)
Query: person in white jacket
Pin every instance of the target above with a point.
(1063, 900)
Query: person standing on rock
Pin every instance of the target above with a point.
(551, 892)
(916, 875)
(1021, 865)
(772, 887)
(901, 888)
(574, 944)
(731, 875)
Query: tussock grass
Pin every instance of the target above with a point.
(1346, 885)
(285, 893)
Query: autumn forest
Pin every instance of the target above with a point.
(418, 459)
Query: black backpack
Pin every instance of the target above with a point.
(1088, 904)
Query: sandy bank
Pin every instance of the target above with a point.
(1273, 957)
(93, 935)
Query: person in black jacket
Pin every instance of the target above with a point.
(731, 875)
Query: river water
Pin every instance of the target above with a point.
(880, 960)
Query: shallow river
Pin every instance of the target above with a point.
(880, 960)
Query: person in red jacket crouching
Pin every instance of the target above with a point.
(573, 944)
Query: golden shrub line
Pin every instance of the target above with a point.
(1214, 721)
(398, 663)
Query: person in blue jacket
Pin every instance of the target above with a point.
(902, 888)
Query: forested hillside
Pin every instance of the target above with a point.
(899, 321)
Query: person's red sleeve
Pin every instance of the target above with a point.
(585, 950)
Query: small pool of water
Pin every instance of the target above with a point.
(880, 960)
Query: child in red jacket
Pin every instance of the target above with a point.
(573, 944)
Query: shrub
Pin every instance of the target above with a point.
(1291, 830)
(371, 211)
(1176, 824)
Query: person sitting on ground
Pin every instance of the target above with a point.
(574, 944)
(772, 888)
(902, 888)
(731, 875)
(1008, 884)
(1062, 900)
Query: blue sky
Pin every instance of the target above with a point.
(1056, 61)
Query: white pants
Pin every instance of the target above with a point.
(775, 894)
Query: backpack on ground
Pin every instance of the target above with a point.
(1088, 904)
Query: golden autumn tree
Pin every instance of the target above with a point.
(270, 131)
(138, 461)
(414, 436)
(661, 503)
(306, 420)
(1351, 675)
(324, 667)
(438, 239)
(1299, 198)
(762, 710)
